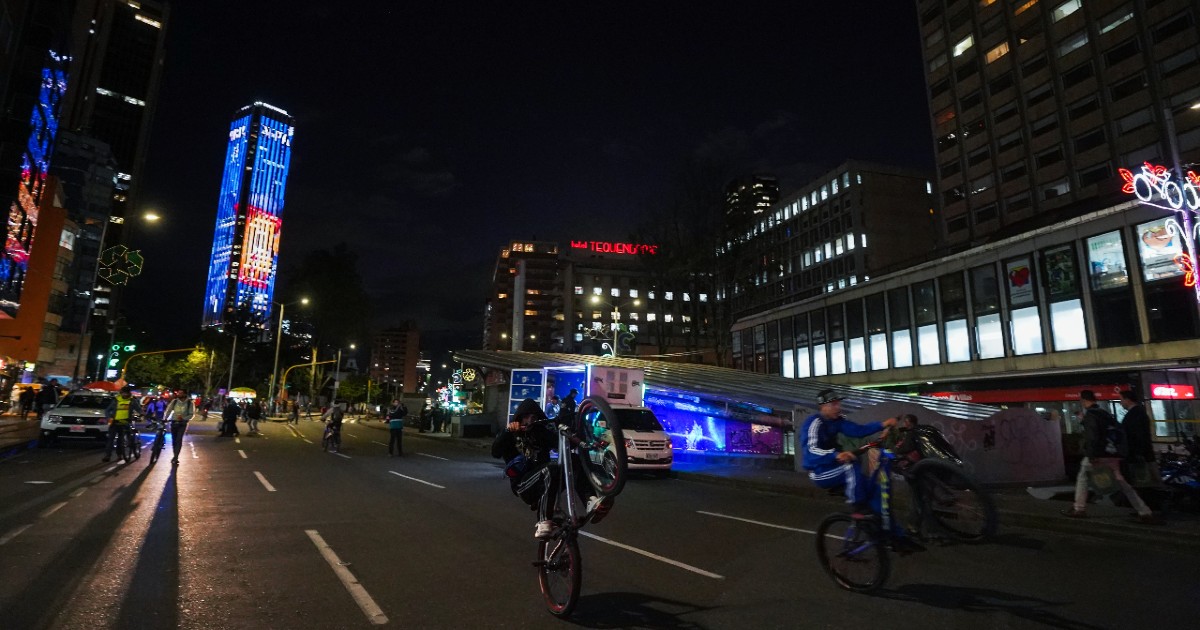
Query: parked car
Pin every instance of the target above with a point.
(79, 414)
(647, 445)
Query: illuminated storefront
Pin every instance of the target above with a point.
(245, 254)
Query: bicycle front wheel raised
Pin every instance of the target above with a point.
(954, 500)
(852, 553)
(560, 574)
(606, 465)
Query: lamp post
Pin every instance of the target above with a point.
(616, 325)
(337, 374)
(278, 338)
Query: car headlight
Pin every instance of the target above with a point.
(53, 419)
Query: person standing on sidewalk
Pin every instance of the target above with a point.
(179, 413)
(1097, 425)
(295, 415)
(396, 428)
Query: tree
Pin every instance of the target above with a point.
(353, 388)
(147, 370)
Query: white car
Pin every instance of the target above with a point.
(79, 414)
(647, 445)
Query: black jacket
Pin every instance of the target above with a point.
(1096, 423)
(1137, 433)
(535, 441)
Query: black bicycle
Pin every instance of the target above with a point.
(594, 437)
(127, 444)
(160, 439)
(332, 439)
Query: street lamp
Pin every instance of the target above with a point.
(337, 374)
(278, 337)
(616, 325)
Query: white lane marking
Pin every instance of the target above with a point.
(361, 596)
(340, 455)
(434, 456)
(307, 440)
(266, 484)
(352, 435)
(237, 440)
(52, 509)
(654, 556)
(417, 480)
(111, 468)
(242, 453)
(14, 533)
(194, 455)
(78, 492)
(379, 443)
(754, 522)
(38, 483)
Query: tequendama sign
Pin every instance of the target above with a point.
(606, 247)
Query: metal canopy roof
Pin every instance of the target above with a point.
(725, 384)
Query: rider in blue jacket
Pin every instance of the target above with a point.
(827, 464)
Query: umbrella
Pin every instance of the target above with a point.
(107, 386)
(243, 392)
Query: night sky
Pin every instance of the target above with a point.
(428, 134)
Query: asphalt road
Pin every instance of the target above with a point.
(253, 532)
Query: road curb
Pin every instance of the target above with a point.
(1141, 534)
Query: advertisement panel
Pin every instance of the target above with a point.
(524, 384)
(1106, 262)
(1018, 276)
(1158, 246)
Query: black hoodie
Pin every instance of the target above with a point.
(535, 441)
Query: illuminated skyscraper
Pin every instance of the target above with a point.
(241, 274)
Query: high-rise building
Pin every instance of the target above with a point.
(747, 197)
(524, 286)
(1035, 105)
(395, 353)
(853, 223)
(115, 74)
(245, 254)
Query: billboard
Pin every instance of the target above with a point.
(35, 164)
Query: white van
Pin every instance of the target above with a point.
(647, 445)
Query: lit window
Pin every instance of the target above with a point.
(650, 317)
(595, 314)
(817, 254)
(650, 295)
(1025, 330)
(1115, 21)
(615, 292)
(804, 204)
(962, 46)
(1074, 42)
(1066, 8)
(703, 297)
(845, 180)
(958, 341)
(578, 336)
(597, 325)
(1025, 7)
(833, 185)
(837, 357)
(838, 248)
(597, 291)
(824, 193)
(864, 240)
(669, 295)
(502, 296)
(853, 280)
(828, 250)
(820, 360)
(687, 297)
(578, 290)
(849, 242)
(668, 318)
(989, 336)
(633, 316)
(858, 355)
(902, 348)
(997, 52)
(633, 328)
(633, 293)
(1067, 327)
(531, 313)
(687, 319)
(807, 259)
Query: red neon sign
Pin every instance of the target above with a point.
(1172, 392)
(606, 247)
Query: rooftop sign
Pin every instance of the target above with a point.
(606, 247)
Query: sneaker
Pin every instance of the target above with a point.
(598, 507)
(543, 530)
(1073, 513)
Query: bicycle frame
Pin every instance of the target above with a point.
(568, 474)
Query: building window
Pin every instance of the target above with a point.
(1095, 175)
(669, 296)
(615, 292)
(902, 348)
(531, 313)
(650, 295)
(633, 328)
(633, 316)
(597, 291)
(964, 45)
(1025, 328)
(803, 363)
(1083, 107)
(596, 314)
(1004, 112)
(1166, 30)
(578, 290)
(668, 318)
(997, 52)
(1044, 124)
(1065, 9)
(1122, 51)
(958, 341)
(1046, 158)
(1106, 262)
(1067, 327)
(703, 297)
(1078, 74)
(989, 336)
(927, 345)
(1115, 19)
(633, 293)
(1056, 189)
(1029, 4)
(650, 317)
(1039, 94)
(1072, 43)
(1009, 141)
(820, 360)
(837, 357)
(501, 296)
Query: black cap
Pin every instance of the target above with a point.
(826, 396)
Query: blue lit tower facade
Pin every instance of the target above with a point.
(245, 254)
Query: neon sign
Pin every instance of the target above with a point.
(1172, 392)
(607, 247)
(1154, 185)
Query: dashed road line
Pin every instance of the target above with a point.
(434, 456)
(78, 492)
(14, 533)
(52, 509)
(654, 556)
(111, 468)
(266, 484)
(340, 455)
(379, 443)
(237, 440)
(361, 597)
(193, 446)
(242, 453)
(307, 440)
(754, 522)
(418, 480)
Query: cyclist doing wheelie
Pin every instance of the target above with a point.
(121, 413)
(525, 447)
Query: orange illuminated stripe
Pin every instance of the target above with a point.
(1025, 7)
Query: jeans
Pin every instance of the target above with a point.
(397, 441)
(178, 429)
(1081, 487)
(119, 431)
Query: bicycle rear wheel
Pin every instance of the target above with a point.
(155, 450)
(852, 553)
(560, 573)
(605, 468)
(126, 449)
(954, 500)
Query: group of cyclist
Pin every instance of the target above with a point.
(175, 408)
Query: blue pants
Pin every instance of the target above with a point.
(843, 474)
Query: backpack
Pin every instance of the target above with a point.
(336, 414)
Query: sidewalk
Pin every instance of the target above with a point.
(1016, 507)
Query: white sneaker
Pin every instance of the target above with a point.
(543, 530)
(597, 507)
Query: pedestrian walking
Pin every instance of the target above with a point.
(426, 419)
(179, 413)
(25, 401)
(295, 415)
(396, 428)
(1100, 432)
(46, 398)
(229, 418)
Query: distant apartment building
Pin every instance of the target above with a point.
(395, 353)
(748, 197)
